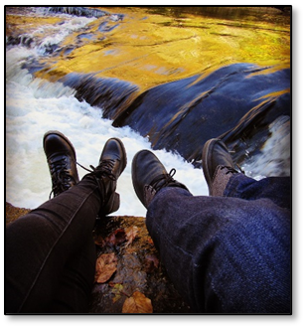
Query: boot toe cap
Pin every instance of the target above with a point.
(145, 167)
(55, 142)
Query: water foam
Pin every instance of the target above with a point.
(274, 158)
(35, 106)
(47, 37)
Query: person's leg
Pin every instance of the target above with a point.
(75, 285)
(40, 246)
(277, 189)
(223, 255)
(224, 180)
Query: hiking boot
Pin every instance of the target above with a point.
(149, 176)
(61, 159)
(218, 166)
(112, 163)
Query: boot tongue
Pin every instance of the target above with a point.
(57, 157)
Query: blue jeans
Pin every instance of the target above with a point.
(227, 254)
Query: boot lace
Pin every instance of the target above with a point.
(61, 177)
(163, 180)
(229, 169)
(104, 169)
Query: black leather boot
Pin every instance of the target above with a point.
(61, 159)
(218, 166)
(149, 176)
(112, 163)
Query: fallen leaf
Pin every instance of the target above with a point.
(99, 241)
(117, 291)
(131, 234)
(106, 265)
(137, 303)
(151, 263)
(117, 237)
(150, 241)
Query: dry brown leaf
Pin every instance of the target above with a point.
(99, 241)
(117, 237)
(151, 263)
(106, 265)
(131, 234)
(137, 303)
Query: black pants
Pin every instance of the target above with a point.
(50, 254)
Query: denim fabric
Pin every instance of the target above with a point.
(227, 254)
(50, 254)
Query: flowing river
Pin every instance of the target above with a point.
(159, 78)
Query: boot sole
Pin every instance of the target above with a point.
(124, 153)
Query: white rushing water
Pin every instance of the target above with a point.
(34, 106)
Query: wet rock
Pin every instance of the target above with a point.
(78, 11)
(24, 40)
(236, 103)
(13, 213)
(109, 94)
(138, 269)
